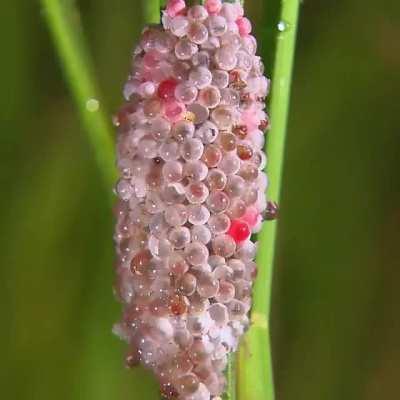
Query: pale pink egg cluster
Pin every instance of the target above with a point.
(191, 193)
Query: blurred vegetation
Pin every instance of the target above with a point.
(335, 320)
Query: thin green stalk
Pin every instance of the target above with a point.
(255, 375)
(64, 23)
(151, 11)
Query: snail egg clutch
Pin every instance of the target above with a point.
(191, 193)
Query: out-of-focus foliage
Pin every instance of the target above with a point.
(335, 320)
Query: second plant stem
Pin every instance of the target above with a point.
(64, 23)
(255, 375)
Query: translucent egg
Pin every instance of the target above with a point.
(236, 186)
(245, 152)
(219, 314)
(153, 203)
(185, 49)
(207, 132)
(161, 72)
(223, 117)
(243, 289)
(196, 253)
(217, 25)
(246, 250)
(214, 261)
(218, 202)
(180, 71)
(198, 305)
(228, 141)
(146, 89)
(197, 33)
(196, 170)
(223, 272)
(197, 13)
(220, 78)
(172, 171)
(216, 180)
(212, 155)
(174, 110)
(198, 214)
(238, 268)
(200, 77)
(200, 113)
(229, 12)
(176, 215)
(183, 338)
(219, 223)
(148, 148)
(160, 128)
(158, 226)
(225, 58)
(230, 97)
(200, 351)
(169, 150)
(170, 195)
(188, 384)
(249, 172)
(210, 97)
(186, 285)
(147, 41)
(178, 305)
(124, 190)
(139, 216)
(224, 246)
(200, 233)
(207, 285)
(244, 61)
(230, 164)
(140, 262)
(165, 42)
(196, 192)
(183, 130)
(179, 26)
(249, 44)
(201, 58)
(250, 196)
(186, 93)
(226, 292)
(237, 309)
(259, 159)
(179, 237)
(237, 209)
(231, 39)
(192, 149)
(211, 44)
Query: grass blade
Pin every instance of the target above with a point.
(151, 11)
(63, 20)
(255, 375)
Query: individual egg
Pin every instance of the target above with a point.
(200, 77)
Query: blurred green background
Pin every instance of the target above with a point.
(335, 319)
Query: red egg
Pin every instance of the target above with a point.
(239, 231)
(166, 89)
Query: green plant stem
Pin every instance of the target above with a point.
(255, 375)
(151, 11)
(64, 23)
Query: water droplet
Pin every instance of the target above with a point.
(282, 26)
(92, 105)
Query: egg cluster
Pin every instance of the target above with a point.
(191, 193)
